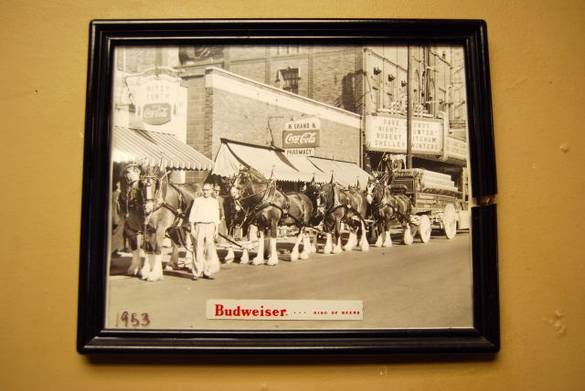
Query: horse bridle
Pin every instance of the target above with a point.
(262, 203)
(155, 197)
(379, 205)
(251, 194)
(333, 207)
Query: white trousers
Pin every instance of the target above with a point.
(205, 251)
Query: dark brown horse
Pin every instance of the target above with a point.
(154, 209)
(267, 208)
(388, 210)
(341, 207)
(356, 199)
(312, 190)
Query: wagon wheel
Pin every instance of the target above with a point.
(424, 229)
(450, 221)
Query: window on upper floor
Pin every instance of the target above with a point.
(287, 49)
(288, 79)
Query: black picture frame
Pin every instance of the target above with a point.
(483, 337)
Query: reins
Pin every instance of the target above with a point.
(252, 211)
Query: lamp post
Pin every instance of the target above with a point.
(408, 109)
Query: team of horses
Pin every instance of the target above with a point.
(153, 209)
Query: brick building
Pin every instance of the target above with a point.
(328, 74)
(347, 76)
(368, 80)
(250, 92)
(208, 103)
(225, 105)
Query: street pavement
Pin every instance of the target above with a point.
(417, 286)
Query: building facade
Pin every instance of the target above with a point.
(368, 80)
(356, 94)
(207, 102)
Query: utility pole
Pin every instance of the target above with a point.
(408, 108)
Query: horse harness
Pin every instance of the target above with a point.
(179, 212)
(339, 204)
(264, 203)
(384, 202)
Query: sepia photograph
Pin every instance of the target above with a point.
(289, 187)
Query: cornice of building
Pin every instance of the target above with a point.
(223, 72)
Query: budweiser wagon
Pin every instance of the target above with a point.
(437, 202)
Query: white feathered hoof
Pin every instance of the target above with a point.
(407, 236)
(245, 258)
(145, 271)
(258, 260)
(351, 242)
(379, 241)
(153, 278)
(305, 254)
(365, 246)
(229, 258)
(387, 239)
(272, 261)
(337, 248)
(157, 272)
(294, 255)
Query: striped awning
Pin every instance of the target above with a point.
(269, 161)
(155, 149)
(345, 173)
(272, 162)
(303, 164)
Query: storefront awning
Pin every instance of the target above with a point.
(269, 161)
(155, 149)
(345, 173)
(303, 164)
(272, 162)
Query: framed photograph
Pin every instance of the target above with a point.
(288, 186)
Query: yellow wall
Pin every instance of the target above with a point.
(537, 59)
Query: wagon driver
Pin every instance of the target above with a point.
(204, 220)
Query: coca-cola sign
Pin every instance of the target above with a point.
(156, 113)
(300, 138)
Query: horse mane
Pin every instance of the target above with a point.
(256, 175)
(335, 195)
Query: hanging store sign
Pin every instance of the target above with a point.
(456, 148)
(388, 134)
(160, 102)
(156, 113)
(302, 133)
